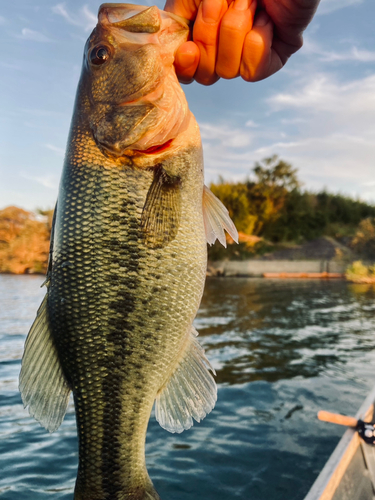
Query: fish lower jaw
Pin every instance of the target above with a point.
(138, 155)
(158, 148)
(188, 138)
(141, 158)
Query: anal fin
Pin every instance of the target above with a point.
(43, 386)
(190, 392)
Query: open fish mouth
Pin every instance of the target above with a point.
(133, 47)
(114, 13)
(155, 149)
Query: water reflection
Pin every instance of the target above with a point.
(282, 350)
(273, 330)
(359, 289)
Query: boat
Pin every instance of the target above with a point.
(349, 473)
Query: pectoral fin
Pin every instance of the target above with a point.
(216, 219)
(43, 386)
(162, 211)
(190, 392)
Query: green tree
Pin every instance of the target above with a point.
(235, 197)
(272, 205)
(275, 179)
(255, 203)
(274, 174)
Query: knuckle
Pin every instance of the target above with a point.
(235, 24)
(206, 35)
(207, 80)
(226, 73)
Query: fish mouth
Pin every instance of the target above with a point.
(159, 148)
(120, 15)
(147, 109)
(155, 149)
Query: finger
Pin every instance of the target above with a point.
(186, 61)
(184, 8)
(290, 19)
(235, 25)
(205, 35)
(259, 59)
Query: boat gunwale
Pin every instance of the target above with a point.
(333, 471)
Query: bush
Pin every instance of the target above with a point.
(359, 273)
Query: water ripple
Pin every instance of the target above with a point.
(282, 351)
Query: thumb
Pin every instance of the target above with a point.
(186, 61)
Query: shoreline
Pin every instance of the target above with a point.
(268, 269)
(256, 268)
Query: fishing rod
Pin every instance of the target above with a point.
(366, 430)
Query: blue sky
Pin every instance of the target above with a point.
(318, 113)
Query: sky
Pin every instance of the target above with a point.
(317, 113)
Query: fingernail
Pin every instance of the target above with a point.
(241, 4)
(185, 81)
(211, 10)
(261, 19)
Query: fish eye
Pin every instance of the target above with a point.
(99, 55)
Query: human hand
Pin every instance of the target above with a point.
(248, 38)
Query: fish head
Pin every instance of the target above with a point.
(128, 82)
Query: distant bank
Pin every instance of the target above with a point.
(258, 268)
(24, 241)
(24, 249)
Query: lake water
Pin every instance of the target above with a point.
(282, 351)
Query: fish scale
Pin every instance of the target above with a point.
(122, 342)
(127, 261)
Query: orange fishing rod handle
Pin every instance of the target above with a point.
(335, 418)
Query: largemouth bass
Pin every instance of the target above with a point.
(128, 259)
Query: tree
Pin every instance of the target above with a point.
(274, 173)
(275, 179)
(251, 204)
(236, 198)
(272, 205)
